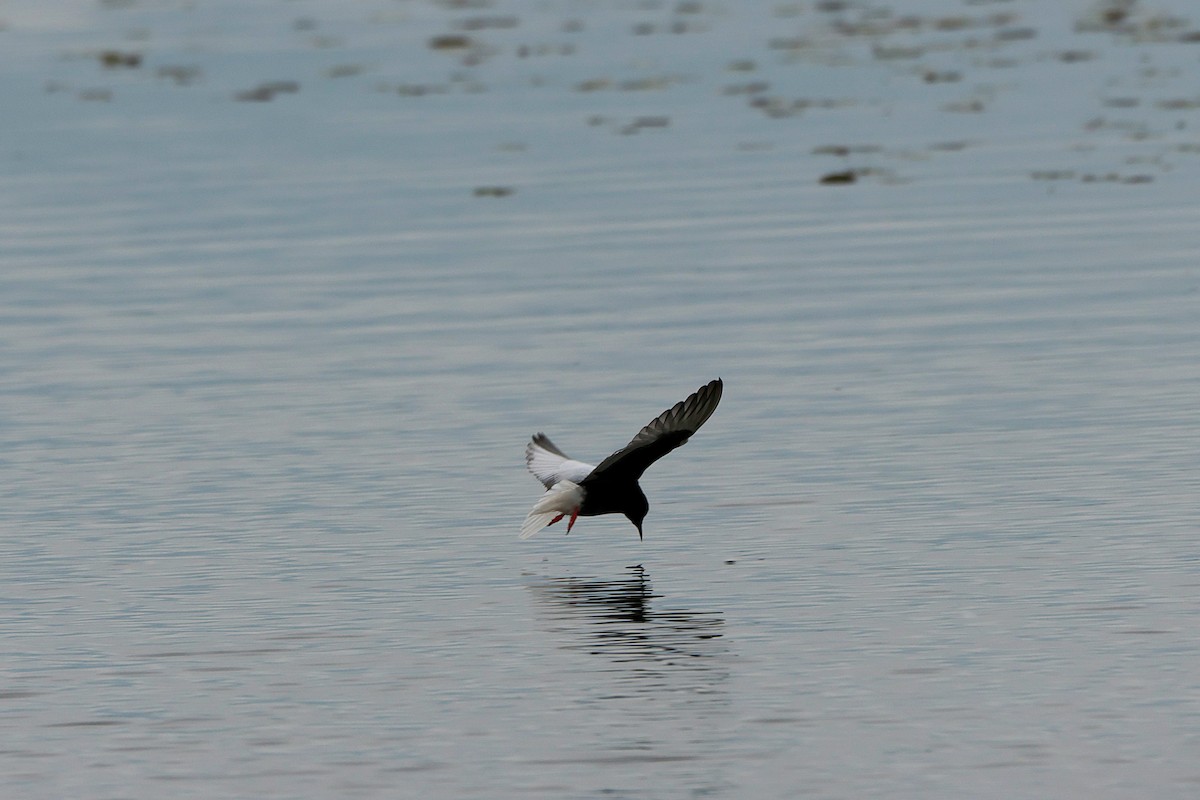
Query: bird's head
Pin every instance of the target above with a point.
(636, 509)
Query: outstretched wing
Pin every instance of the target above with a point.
(671, 429)
(551, 465)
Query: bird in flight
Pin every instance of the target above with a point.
(575, 489)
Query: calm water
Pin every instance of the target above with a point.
(284, 289)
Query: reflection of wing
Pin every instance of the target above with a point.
(638, 655)
(551, 465)
(669, 430)
(625, 620)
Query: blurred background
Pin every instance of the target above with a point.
(286, 286)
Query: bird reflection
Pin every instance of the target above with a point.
(623, 619)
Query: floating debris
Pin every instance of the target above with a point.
(1075, 56)
(1015, 34)
(1179, 104)
(484, 23)
(973, 106)
(882, 53)
(750, 87)
(526, 51)
(952, 24)
(941, 76)
(780, 107)
(642, 123)
(416, 89)
(118, 59)
(593, 85)
(839, 178)
(1089, 177)
(1112, 15)
(934, 49)
(843, 150)
(648, 84)
(451, 41)
(265, 92)
(839, 150)
(256, 95)
(1113, 177)
(344, 70)
(1052, 174)
(493, 191)
(949, 147)
(788, 43)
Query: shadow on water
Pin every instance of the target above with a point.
(656, 685)
(650, 648)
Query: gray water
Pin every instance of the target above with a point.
(269, 366)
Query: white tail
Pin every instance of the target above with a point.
(563, 498)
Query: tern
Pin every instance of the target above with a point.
(575, 489)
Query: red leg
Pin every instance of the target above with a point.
(556, 519)
(574, 516)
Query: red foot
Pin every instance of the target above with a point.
(574, 516)
(556, 519)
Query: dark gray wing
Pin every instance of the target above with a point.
(671, 429)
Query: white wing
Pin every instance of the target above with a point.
(551, 465)
(562, 499)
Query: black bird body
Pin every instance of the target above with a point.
(581, 490)
(607, 496)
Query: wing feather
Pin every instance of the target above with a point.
(663, 434)
(551, 465)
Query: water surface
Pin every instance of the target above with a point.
(270, 362)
